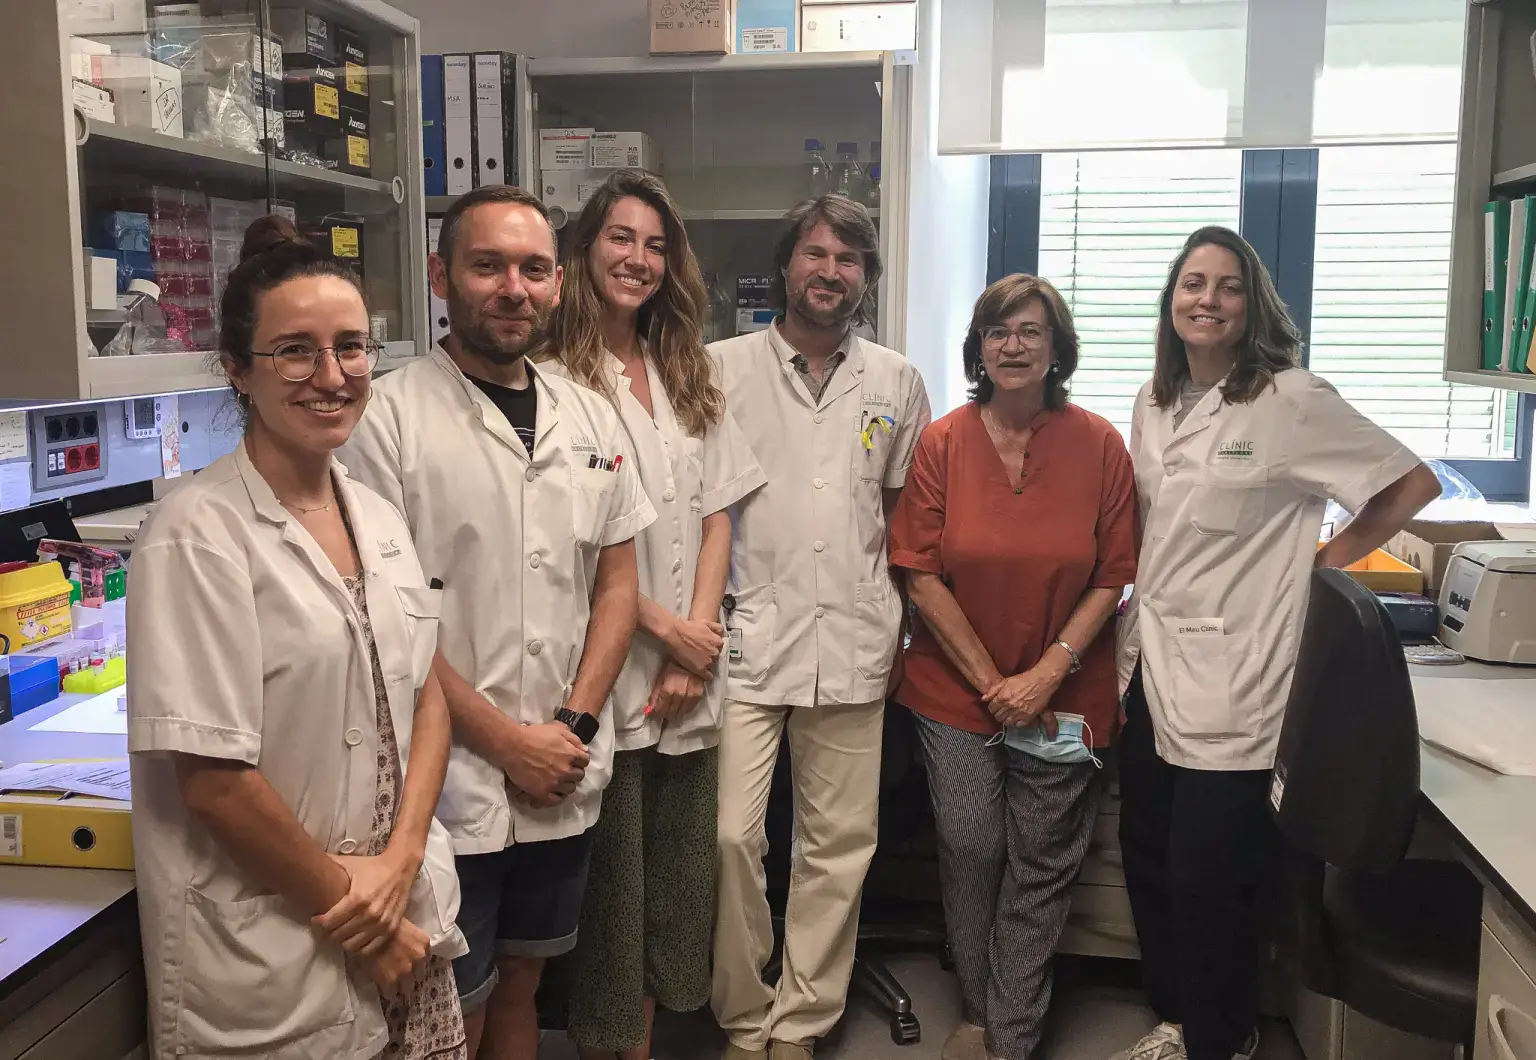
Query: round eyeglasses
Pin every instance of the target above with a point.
(1030, 336)
(297, 361)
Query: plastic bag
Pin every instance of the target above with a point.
(145, 330)
(1454, 486)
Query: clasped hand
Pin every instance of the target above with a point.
(1025, 698)
(369, 921)
(695, 644)
(546, 766)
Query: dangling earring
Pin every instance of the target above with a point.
(1053, 368)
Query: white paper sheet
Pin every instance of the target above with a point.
(101, 714)
(105, 780)
(13, 435)
(15, 485)
(1489, 722)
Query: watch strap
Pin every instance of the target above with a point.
(1077, 661)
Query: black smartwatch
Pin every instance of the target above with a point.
(582, 724)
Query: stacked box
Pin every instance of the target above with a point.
(352, 54)
(227, 221)
(311, 109)
(303, 33)
(341, 236)
(181, 251)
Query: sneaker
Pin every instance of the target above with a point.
(1250, 1047)
(1166, 1042)
(736, 1052)
(968, 1042)
(788, 1051)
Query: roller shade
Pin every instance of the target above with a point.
(1111, 224)
(1379, 296)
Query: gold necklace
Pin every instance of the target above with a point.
(995, 430)
(305, 511)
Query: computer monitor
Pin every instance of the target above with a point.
(22, 529)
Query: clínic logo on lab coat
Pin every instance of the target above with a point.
(583, 445)
(389, 549)
(1235, 450)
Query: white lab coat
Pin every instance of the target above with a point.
(686, 479)
(516, 543)
(247, 646)
(1231, 507)
(816, 610)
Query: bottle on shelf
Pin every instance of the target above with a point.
(818, 174)
(848, 175)
(872, 196)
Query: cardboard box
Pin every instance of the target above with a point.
(1428, 545)
(690, 27)
(877, 26)
(624, 150)
(352, 54)
(147, 93)
(100, 279)
(565, 149)
(566, 191)
(85, 59)
(90, 17)
(767, 25)
(311, 100)
(1383, 573)
(304, 33)
(352, 151)
(341, 235)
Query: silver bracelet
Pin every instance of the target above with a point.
(1077, 660)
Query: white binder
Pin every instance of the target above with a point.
(436, 307)
(458, 122)
(490, 131)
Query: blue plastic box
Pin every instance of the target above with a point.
(34, 681)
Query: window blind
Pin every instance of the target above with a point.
(1379, 295)
(1110, 225)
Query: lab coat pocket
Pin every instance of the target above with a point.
(433, 905)
(1229, 501)
(590, 500)
(1196, 694)
(750, 631)
(423, 610)
(255, 976)
(877, 610)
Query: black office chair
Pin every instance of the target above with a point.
(1395, 940)
(899, 911)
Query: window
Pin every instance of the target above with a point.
(1110, 225)
(1380, 271)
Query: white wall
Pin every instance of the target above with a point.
(542, 28)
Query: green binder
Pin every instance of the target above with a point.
(1520, 356)
(1522, 226)
(1495, 269)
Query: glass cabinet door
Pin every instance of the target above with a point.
(194, 119)
(738, 144)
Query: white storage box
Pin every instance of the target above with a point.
(565, 149)
(147, 93)
(877, 26)
(624, 150)
(90, 17)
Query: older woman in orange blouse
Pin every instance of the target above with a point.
(1017, 532)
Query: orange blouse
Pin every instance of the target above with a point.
(1017, 562)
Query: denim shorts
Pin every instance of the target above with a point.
(524, 901)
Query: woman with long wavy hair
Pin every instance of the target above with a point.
(629, 325)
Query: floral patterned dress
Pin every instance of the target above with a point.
(425, 1022)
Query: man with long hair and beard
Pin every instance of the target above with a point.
(813, 623)
(520, 493)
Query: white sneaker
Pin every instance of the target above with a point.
(1166, 1042)
(1250, 1047)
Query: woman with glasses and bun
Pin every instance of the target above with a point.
(630, 326)
(287, 739)
(1017, 534)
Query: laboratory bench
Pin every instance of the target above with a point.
(69, 964)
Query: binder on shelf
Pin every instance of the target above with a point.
(1495, 263)
(1520, 357)
(65, 831)
(1516, 277)
(437, 308)
(434, 145)
(458, 118)
(489, 146)
(509, 104)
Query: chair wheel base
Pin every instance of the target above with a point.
(905, 1030)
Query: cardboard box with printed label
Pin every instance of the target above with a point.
(690, 27)
(1428, 545)
(304, 33)
(767, 26)
(93, 101)
(566, 191)
(352, 53)
(85, 59)
(565, 149)
(877, 26)
(147, 94)
(312, 102)
(624, 150)
(90, 17)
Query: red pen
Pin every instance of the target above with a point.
(617, 461)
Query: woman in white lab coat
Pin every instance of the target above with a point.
(288, 742)
(629, 325)
(1236, 450)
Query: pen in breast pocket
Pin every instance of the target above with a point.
(435, 583)
(617, 461)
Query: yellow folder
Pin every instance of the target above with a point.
(69, 831)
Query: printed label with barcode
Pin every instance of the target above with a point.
(765, 40)
(10, 835)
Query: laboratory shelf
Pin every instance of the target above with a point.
(702, 64)
(1500, 380)
(127, 147)
(150, 373)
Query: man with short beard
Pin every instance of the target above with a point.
(524, 504)
(813, 624)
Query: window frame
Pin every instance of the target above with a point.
(1279, 217)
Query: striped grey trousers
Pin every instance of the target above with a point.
(1013, 831)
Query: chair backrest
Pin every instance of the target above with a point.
(1346, 783)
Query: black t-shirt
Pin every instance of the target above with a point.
(520, 407)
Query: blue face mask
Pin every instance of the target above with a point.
(1069, 747)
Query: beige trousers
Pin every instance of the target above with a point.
(835, 759)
